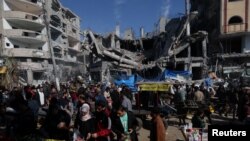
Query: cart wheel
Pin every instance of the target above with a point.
(140, 124)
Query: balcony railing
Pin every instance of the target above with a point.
(58, 44)
(30, 6)
(31, 65)
(234, 28)
(25, 52)
(25, 34)
(38, 2)
(22, 15)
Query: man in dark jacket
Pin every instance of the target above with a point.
(56, 122)
(198, 119)
(24, 122)
(124, 124)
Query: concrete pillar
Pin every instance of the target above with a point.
(204, 50)
(29, 72)
(142, 32)
(84, 64)
(117, 44)
(187, 6)
(117, 30)
(30, 76)
(190, 59)
(186, 67)
(101, 76)
(162, 24)
(113, 41)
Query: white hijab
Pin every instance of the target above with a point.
(85, 109)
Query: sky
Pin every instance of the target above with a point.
(101, 16)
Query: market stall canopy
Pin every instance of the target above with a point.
(126, 80)
(181, 76)
(3, 70)
(154, 86)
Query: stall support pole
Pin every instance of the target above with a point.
(139, 103)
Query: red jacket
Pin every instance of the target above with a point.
(103, 125)
(74, 96)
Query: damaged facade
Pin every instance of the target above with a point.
(170, 48)
(234, 38)
(227, 22)
(213, 36)
(29, 28)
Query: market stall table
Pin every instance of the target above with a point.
(195, 134)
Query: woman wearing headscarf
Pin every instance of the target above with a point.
(86, 124)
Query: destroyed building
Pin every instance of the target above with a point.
(30, 29)
(42, 35)
(212, 36)
(234, 37)
(227, 22)
(148, 55)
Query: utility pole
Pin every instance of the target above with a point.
(187, 9)
(47, 24)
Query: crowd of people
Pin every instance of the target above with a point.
(76, 112)
(103, 112)
(95, 112)
(223, 100)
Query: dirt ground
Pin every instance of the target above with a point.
(173, 132)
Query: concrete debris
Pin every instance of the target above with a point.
(145, 53)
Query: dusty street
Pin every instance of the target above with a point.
(173, 133)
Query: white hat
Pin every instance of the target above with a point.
(119, 89)
(83, 85)
(197, 85)
(108, 84)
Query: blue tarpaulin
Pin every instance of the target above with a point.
(177, 75)
(130, 81)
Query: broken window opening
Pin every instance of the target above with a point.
(232, 45)
(37, 75)
(25, 34)
(37, 60)
(34, 18)
(21, 59)
(73, 30)
(34, 1)
(235, 20)
(197, 73)
(55, 5)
